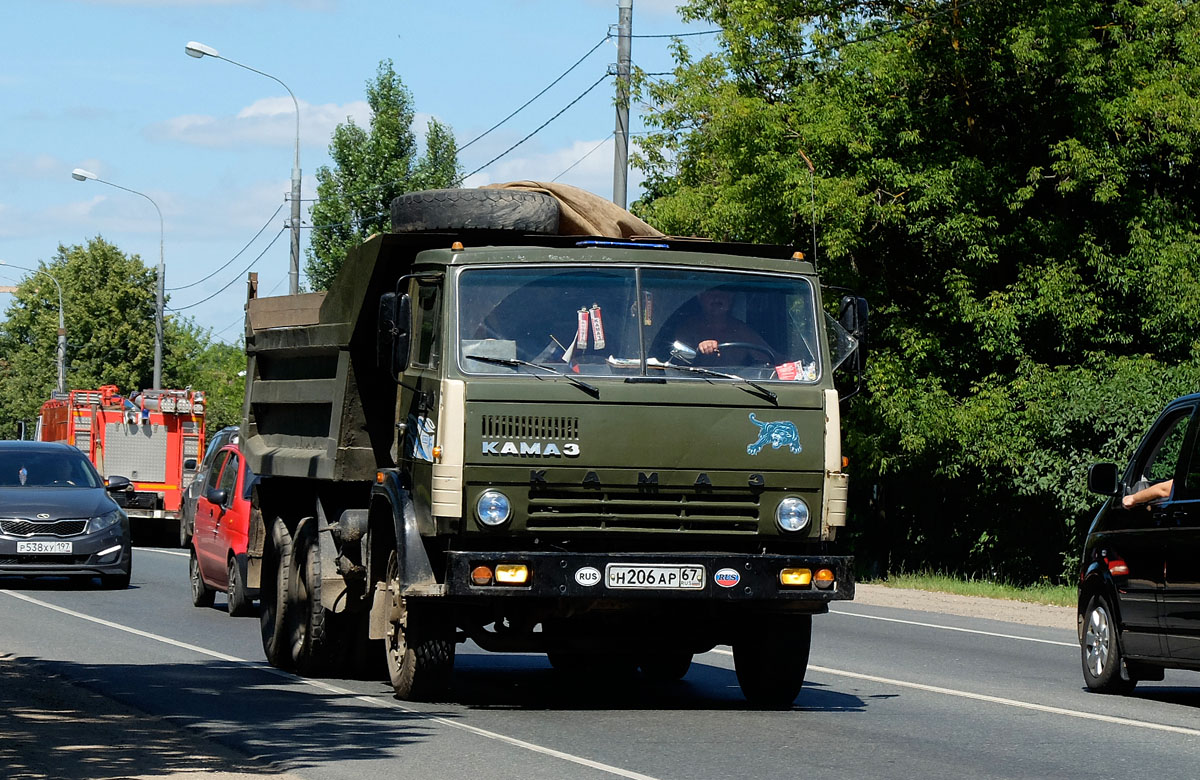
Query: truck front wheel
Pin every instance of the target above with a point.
(771, 660)
(420, 647)
(273, 595)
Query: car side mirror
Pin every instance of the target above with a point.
(1103, 478)
(114, 484)
(216, 496)
(189, 464)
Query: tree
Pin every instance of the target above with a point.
(371, 167)
(194, 360)
(1012, 184)
(108, 308)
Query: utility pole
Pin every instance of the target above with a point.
(621, 133)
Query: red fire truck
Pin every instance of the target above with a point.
(153, 437)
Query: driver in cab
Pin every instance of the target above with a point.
(718, 335)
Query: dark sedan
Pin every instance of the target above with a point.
(56, 517)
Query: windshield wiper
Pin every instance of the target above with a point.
(769, 395)
(514, 362)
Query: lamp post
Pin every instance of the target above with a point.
(61, 352)
(199, 51)
(79, 174)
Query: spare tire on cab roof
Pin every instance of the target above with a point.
(465, 209)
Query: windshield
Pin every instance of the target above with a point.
(625, 320)
(46, 469)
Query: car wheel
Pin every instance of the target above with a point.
(185, 538)
(1100, 649)
(771, 659)
(273, 595)
(240, 603)
(202, 595)
(475, 209)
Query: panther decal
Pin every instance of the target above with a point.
(777, 433)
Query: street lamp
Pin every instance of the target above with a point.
(199, 51)
(79, 174)
(61, 356)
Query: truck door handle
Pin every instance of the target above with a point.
(1179, 514)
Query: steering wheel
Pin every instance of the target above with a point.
(759, 348)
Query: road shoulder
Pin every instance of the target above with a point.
(966, 606)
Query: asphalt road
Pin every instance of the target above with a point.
(890, 693)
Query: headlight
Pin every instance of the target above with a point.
(493, 508)
(792, 514)
(104, 521)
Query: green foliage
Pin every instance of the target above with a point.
(193, 359)
(371, 167)
(1012, 185)
(108, 310)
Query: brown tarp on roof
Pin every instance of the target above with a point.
(584, 213)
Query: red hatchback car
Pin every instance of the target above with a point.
(222, 521)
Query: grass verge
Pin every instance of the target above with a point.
(1055, 595)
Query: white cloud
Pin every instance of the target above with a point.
(267, 122)
(587, 164)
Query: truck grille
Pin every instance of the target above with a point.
(511, 426)
(581, 508)
(53, 528)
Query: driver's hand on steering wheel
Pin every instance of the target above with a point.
(708, 347)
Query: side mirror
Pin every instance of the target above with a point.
(115, 484)
(400, 340)
(386, 330)
(683, 352)
(189, 464)
(215, 496)
(1103, 478)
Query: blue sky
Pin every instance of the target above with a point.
(105, 85)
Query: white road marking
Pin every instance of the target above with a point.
(160, 550)
(389, 703)
(1025, 705)
(955, 628)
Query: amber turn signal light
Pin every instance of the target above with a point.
(512, 574)
(824, 579)
(481, 575)
(796, 578)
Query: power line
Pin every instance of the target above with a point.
(235, 257)
(679, 35)
(540, 127)
(236, 278)
(538, 95)
(581, 159)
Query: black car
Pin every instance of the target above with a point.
(1139, 584)
(187, 521)
(56, 517)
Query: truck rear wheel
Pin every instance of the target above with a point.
(420, 647)
(467, 209)
(308, 629)
(273, 595)
(771, 660)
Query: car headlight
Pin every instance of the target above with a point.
(493, 508)
(792, 514)
(104, 521)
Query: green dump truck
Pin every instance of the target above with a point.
(618, 450)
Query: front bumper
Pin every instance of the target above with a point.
(85, 556)
(743, 578)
